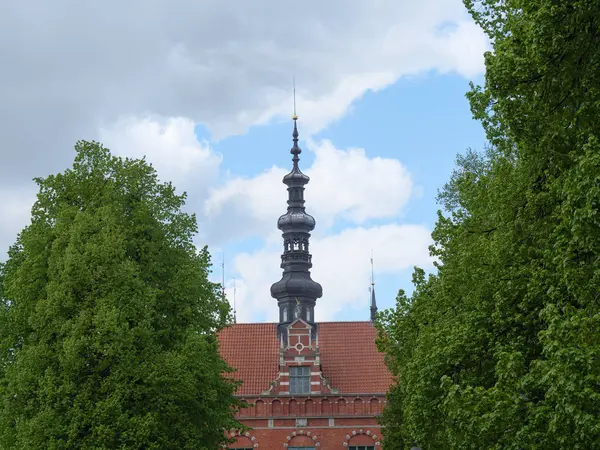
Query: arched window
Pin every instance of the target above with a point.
(293, 407)
(276, 407)
(260, 408)
(358, 406)
(374, 406)
(244, 408)
(309, 407)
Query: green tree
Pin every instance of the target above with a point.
(108, 318)
(500, 349)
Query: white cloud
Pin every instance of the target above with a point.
(254, 202)
(345, 184)
(172, 147)
(349, 185)
(170, 144)
(15, 212)
(341, 266)
(223, 66)
(318, 112)
(203, 62)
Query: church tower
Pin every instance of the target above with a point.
(296, 292)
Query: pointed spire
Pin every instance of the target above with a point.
(373, 301)
(296, 292)
(296, 150)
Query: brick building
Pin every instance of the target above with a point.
(308, 385)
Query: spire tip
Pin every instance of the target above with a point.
(294, 117)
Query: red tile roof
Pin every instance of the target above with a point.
(350, 359)
(349, 356)
(252, 349)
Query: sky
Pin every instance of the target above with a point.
(204, 91)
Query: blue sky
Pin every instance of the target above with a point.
(422, 121)
(203, 91)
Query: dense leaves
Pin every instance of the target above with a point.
(500, 349)
(108, 319)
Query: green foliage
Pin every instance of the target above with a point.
(501, 348)
(108, 319)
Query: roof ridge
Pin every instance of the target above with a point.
(325, 321)
(346, 321)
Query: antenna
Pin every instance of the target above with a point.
(223, 272)
(234, 312)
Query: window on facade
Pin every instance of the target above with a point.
(361, 447)
(285, 314)
(308, 314)
(300, 380)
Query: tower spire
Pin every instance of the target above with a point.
(296, 292)
(373, 301)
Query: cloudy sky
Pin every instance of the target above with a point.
(204, 90)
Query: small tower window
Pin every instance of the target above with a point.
(305, 244)
(308, 314)
(300, 380)
(284, 315)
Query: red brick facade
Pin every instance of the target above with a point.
(334, 415)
